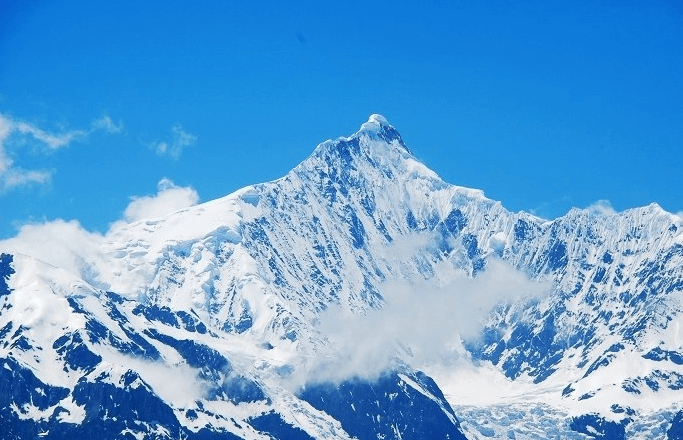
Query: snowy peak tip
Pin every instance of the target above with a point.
(376, 120)
(378, 127)
(376, 142)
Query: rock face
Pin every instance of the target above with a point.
(195, 324)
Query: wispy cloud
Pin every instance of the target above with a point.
(107, 124)
(14, 176)
(180, 139)
(17, 177)
(53, 141)
(67, 244)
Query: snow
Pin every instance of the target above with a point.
(374, 124)
(138, 248)
(40, 307)
(74, 413)
(69, 413)
(332, 235)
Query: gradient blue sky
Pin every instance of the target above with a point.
(543, 105)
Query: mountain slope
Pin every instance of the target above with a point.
(237, 295)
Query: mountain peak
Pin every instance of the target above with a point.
(378, 128)
(375, 120)
(376, 145)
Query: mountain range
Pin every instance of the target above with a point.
(359, 296)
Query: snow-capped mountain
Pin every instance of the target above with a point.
(259, 315)
(80, 362)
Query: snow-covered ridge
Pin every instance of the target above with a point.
(258, 269)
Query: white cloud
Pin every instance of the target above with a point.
(17, 177)
(601, 207)
(53, 141)
(180, 139)
(5, 129)
(163, 379)
(105, 123)
(422, 321)
(61, 243)
(68, 245)
(169, 198)
(12, 176)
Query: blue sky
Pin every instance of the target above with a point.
(105, 106)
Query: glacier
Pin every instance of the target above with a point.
(359, 296)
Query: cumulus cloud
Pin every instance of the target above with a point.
(423, 322)
(21, 132)
(601, 207)
(180, 139)
(169, 198)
